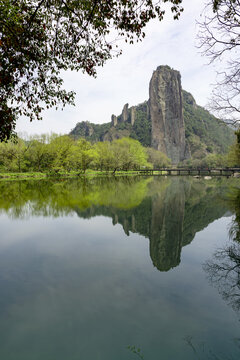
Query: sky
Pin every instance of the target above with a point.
(126, 79)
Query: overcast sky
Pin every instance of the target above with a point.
(126, 79)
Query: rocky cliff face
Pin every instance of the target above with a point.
(85, 129)
(128, 115)
(169, 121)
(166, 112)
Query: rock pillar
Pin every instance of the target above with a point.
(166, 112)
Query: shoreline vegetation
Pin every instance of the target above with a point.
(56, 156)
(89, 173)
(67, 175)
(59, 175)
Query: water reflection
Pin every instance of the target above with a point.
(234, 202)
(223, 269)
(168, 211)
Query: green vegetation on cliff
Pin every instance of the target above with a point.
(205, 134)
(141, 129)
(90, 131)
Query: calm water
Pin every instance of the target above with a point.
(88, 268)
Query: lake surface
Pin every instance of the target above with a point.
(89, 268)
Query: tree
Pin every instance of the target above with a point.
(128, 154)
(13, 155)
(157, 158)
(234, 153)
(84, 154)
(219, 40)
(104, 158)
(60, 151)
(38, 157)
(40, 38)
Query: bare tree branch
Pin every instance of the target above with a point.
(219, 41)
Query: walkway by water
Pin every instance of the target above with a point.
(188, 171)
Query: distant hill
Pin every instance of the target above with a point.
(170, 121)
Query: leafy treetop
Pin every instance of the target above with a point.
(41, 38)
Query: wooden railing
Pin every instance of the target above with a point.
(190, 171)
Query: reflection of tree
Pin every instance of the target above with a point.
(22, 199)
(224, 272)
(202, 351)
(234, 231)
(224, 268)
(168, 211)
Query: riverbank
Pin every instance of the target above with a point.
(62, 174)
(195, 172)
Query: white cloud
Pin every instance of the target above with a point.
(126, 79)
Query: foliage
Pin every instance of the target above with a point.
(56, 153)
(104, 158)
(209, 161)
(90, 131)
(234, 153)
(157, 158)
(84, 154)
(203, 130)
(128, 154)
(39, 39)
(13, 156)
(135, 351)
(39, 156)
(142, 127)
(59, 152)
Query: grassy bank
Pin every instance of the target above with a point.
(24, 176)
(62, 174)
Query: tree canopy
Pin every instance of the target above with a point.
(56, 153)
(41, 38)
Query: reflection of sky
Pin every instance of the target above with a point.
(126, 79)
(81, 289)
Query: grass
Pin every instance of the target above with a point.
(61, 174)
(56, 174)
(23, 176)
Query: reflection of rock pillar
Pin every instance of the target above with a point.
(115, 219)
(126, 227)
(133, 223)
(167, 226)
